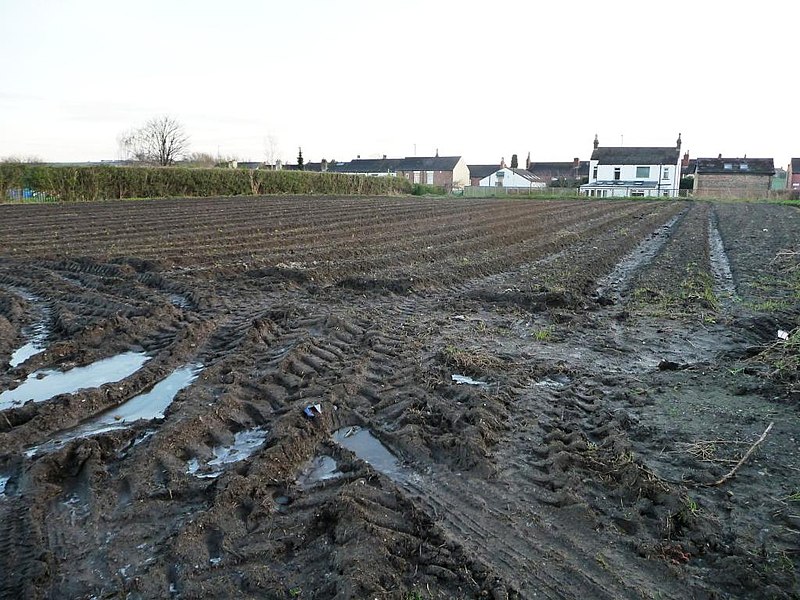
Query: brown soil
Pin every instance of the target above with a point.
(626, 362)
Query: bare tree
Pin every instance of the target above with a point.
(31, 160)
(271, 150)
(161, 140)
(201, 159)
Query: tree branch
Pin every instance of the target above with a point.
(747, 454)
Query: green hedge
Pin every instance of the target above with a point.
(80, 184)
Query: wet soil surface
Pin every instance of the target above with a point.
(395, 398)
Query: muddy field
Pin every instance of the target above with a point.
(399, 398)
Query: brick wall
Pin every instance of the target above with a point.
(725, 185)
(441, 178)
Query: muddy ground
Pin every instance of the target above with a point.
(566, 391)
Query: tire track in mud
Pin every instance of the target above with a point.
(290, 373)
(21, 553)
(515, 485)
(472, 523)
(724, 286)
(613, 286)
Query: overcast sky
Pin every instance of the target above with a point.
(343, 78)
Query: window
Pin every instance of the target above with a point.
(744, 167)
(416, 176)
(665, 174)
(594, 174)
(429, 178)
(642, 172)
(637, 194)
(728, 166)
(617, 173)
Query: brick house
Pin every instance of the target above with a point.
(449, 172)
(733, 177)
(560, 174)
(793, 177)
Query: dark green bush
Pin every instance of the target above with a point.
(78, 184)
(424, 189)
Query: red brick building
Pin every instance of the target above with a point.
(793, 177)
(733, 177)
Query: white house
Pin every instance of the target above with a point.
(634, 172)
(516, 179)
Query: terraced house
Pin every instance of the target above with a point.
(633, 171)
(448, 172)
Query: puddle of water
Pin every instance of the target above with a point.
(466, 380)
(724, 287)
(36, 334)
(179, 300)
(367, 447)
(318, 469)
(554, 381)
(4, 479)
(36, 344)
(244, 444)
(45, 384)
(147, 406)
(153, 404)
(23, 353)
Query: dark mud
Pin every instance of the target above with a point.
(403, 399)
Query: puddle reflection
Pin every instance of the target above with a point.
(244, 444)
(45, 384)
(149, 405)
(367, 447)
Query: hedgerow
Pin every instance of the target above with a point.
(87, 183)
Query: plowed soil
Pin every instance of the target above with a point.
(618, 360)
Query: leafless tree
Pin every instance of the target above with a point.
(201, 159)
(271, 151)
(161, 140)
(21, 160)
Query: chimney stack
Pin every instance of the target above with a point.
(596, 142)
(679, 141)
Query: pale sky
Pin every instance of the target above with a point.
(343, 78)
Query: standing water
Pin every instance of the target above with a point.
(45, 384)
(147, 406)
(244, 444)
(36, 334)
(367, 447)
